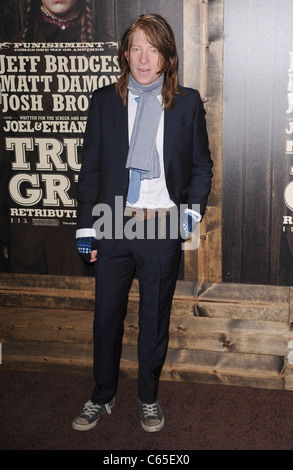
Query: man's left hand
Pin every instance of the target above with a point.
(189, 222)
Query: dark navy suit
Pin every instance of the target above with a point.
(103, 176)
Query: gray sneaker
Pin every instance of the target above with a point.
(90, 414)
(152, 417)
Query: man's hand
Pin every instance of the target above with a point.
(189, 221)
(85, 249)
(6, 252)
(94, 254)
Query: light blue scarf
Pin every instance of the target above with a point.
(143, 155)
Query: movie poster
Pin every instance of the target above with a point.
(47, 76)
(287, 238)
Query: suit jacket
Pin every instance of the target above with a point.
(187, 160)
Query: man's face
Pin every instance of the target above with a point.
(61, 8)
(144, 59)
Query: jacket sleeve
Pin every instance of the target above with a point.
(201, 174)
(89, 177)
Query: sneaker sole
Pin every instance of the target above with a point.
(153, 428)
(84, 427)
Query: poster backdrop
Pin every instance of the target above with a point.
(48, 72)
(47, 75)
(45, 91)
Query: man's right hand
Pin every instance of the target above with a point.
(84, 247)
(94, 254)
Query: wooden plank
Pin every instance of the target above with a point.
(198, 366)
(263, 382)
(49, 356)
(206, 41)
(214, 334)
(291, 306)
(217, 362)
(217, 368)
(240, 311)
(288, 373)
(34, 324)
(24, 290)
(10, 280)
(288, 361)
(210, 334)
(49, 299)
(265, 303)
(237, 336)
(242, 293)
(233, 301)
(210, 250)
(201, 293)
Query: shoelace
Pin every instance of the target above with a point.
(150, 410)
(90, 408)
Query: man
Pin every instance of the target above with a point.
(146, 141)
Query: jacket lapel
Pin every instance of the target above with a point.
(169, 132)
(120, 123)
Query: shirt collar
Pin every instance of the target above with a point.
(132, 97)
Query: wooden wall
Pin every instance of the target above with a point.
(220, 333)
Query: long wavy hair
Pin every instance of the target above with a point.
(86, 20)
(160, 34)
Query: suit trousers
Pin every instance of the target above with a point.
(156, 262)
